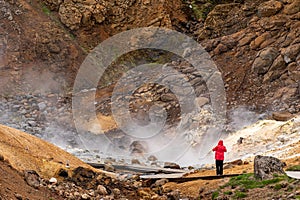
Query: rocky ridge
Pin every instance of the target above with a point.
(89, 18)
(264, 50)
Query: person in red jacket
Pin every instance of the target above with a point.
(219, 156)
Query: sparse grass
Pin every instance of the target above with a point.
(271, 181)
(228, 192)
(72, 36)
(214, 195)
(290, 180)
(294, 168)
(201, 9)
(245, 182)
(240, 195)
(277, 186)
(46, 10)
(248, 181)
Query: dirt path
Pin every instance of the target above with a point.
(192, 188)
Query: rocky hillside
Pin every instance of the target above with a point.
(32, 168)
(254, 44)
(34, 51)
(93, 21)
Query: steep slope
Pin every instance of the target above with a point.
(93, 21)
(256, 46)
(26, 152)
(254, 43)
(35, 49)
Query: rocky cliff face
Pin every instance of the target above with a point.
(254, 43)
(34, 50)
(92, 21)
(256, 46)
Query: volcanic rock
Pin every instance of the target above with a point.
(32, 178)
(266, 166)
(171, 165)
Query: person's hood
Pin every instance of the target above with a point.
(220, 142)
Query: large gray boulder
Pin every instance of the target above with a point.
(266, 166)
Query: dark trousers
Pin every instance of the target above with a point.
(219, 167)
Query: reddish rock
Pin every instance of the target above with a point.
(292, 8)
(269, 8)
(282, 116)
(220, 49)
(247, 39)
(237, 162)
(259, 40)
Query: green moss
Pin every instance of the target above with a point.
(277, 187)
(294, 168)
(201, 9)
(228, 192)
(240, 195)
(46, 10)
(214, 195)
(248, 181)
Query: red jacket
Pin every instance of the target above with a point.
(220, 149)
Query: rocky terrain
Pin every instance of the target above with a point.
(263, 54)
(34, 169)
(256, 50)
(254, 44)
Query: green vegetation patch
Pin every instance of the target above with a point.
(228, 192)
(240, 195)
(294, 168)
(201, 9)
(248, 181)
(277, 186)
(215, 195)
(45, 9)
